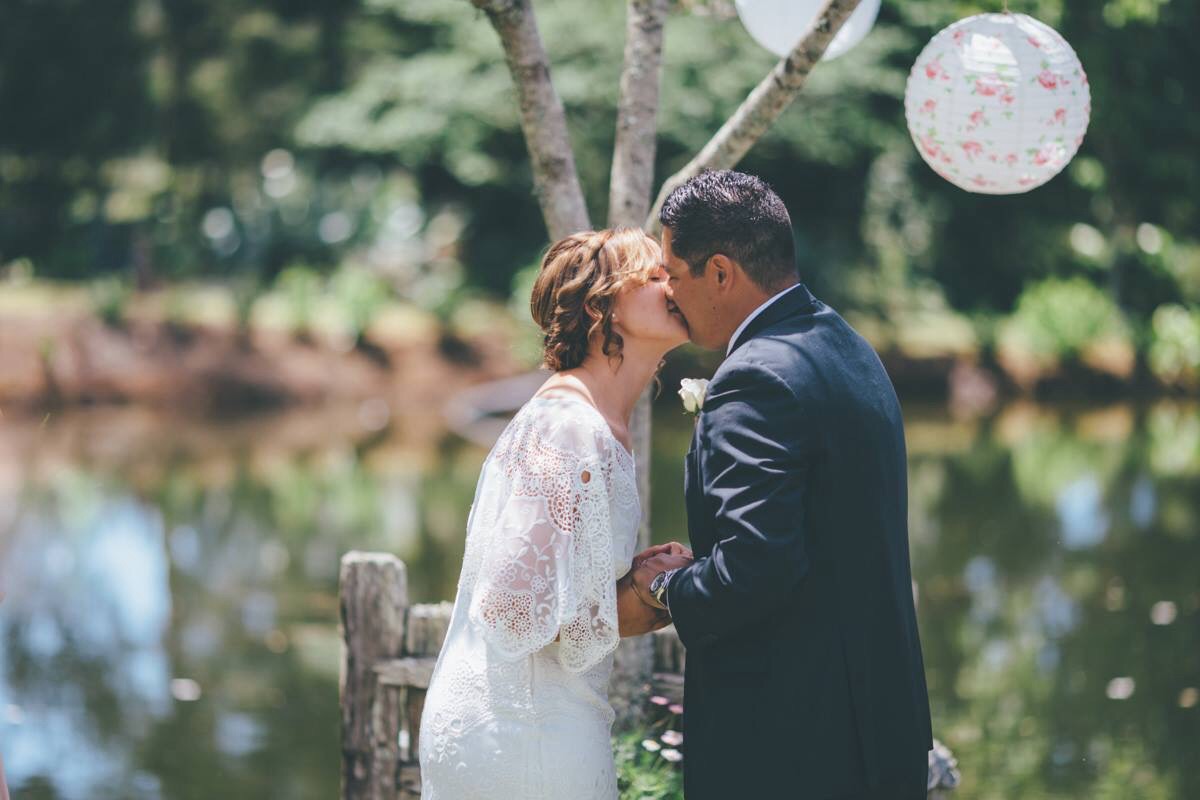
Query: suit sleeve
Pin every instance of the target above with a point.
(754, 465)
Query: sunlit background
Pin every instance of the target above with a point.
(252, 253)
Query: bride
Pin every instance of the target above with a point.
(517, 706)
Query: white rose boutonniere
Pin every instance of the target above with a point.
(691, 392)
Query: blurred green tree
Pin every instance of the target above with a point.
(173, 138)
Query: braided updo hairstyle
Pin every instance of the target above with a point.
(574, 294)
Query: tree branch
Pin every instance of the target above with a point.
(763, 105)
(637, 110)
(543, 121)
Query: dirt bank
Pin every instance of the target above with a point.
(71, 358)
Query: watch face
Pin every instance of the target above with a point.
(657, 582)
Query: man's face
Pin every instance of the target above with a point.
(691, 296)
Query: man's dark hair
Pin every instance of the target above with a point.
(736, 214)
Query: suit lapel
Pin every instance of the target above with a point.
(693, 496)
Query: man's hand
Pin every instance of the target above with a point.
(673, 548)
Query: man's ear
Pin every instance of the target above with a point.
(720, 268)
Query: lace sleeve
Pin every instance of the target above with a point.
(546, 567)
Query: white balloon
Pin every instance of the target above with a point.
(778, 24)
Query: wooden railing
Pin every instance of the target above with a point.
(389, 649)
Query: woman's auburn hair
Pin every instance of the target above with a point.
(576, 289)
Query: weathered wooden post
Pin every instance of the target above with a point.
(374, 598)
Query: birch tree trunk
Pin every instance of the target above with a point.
(629, 199)
(637, 113)
(543, 121)
(633, 175)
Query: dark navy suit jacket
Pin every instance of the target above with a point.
(804, 675)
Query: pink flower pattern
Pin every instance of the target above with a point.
(1048, 79)
(1047, 154)
(988, 86)
(934, 70)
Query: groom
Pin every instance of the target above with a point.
(804, 676)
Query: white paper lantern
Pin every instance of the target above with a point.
(997, 103)
(778, 24)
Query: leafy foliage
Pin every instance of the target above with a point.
(1175, 350)
(1059, 319)
(350, 131)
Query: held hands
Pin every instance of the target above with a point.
(673, 548)
(636, 609)
(644, 573)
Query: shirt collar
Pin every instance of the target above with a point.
(733, 339)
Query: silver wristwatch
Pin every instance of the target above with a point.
(658, 587)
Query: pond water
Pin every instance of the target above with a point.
(169, 628)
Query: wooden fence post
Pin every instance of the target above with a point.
(374, 599)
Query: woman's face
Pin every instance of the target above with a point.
(644, 313)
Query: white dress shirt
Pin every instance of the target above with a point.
(753, 314)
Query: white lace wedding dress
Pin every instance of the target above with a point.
(512, 714)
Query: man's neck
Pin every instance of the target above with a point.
(754, 305)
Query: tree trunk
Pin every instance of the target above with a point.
(629, 198)
(637, 113)
(555, 179)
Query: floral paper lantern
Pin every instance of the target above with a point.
(778, 25)
(997, 103)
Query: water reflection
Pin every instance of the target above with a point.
(170, 624)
